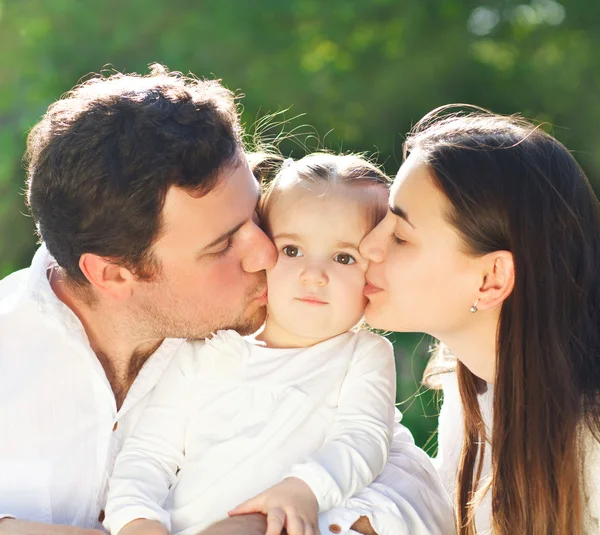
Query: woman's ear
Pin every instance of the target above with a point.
(498, 279)
(107, 277)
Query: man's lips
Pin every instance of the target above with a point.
(262, 297)
(312, 300)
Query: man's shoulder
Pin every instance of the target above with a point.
(14, 293)
(25, 325)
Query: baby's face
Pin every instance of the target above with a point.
(316, 287)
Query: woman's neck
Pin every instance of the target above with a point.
(475, 345)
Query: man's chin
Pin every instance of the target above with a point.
(250, 325)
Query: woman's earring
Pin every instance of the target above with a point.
(473, 309)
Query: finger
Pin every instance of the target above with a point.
(275, 521)
(294, 525)
(254, 505)
(311, 529)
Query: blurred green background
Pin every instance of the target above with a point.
(359, 71)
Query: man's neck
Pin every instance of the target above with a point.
(120, 349)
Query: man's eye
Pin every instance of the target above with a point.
(344, 258)
(225, 250)
(292, 251)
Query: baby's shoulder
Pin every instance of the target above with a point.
(369, 340)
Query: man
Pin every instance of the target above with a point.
(145, 203)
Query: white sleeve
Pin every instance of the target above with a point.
(450, 433)
(146, 467)
(407, 498)
(450, 439)
(591, 482)
(356, 448)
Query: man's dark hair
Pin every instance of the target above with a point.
(101, 160)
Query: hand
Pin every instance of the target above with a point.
(290, 504)
(143, 526)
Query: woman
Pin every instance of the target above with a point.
(492, 245)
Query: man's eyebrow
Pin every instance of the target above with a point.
(224, 236)
(396, 210)
(230, 232)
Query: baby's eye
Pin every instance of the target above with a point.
(344, 258)
(292, 251)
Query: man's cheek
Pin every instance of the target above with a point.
(225, 277)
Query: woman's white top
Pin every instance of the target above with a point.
(450, 437)
(233, 418)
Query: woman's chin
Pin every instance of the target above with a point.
(376, 317)
(380, 318)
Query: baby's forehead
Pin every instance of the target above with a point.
(325, 191)
(364, 204)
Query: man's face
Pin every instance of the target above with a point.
(212, 258)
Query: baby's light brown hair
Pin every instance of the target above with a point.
(320, 169)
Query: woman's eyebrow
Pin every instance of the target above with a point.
(396, 210)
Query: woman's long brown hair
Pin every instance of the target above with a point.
(512, 187)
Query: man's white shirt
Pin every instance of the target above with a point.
(61, 430)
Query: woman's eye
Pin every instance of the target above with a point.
(292, 251)
(397, 240)
(344, 258)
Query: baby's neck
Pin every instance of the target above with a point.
(275, 336)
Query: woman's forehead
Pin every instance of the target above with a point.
(415, 193)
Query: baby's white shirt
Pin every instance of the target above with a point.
(231, 418)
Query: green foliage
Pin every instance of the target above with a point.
(361, 71)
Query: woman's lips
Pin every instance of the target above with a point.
(371, 289)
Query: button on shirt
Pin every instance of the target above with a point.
(61, 430)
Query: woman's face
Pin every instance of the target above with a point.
(419, 277)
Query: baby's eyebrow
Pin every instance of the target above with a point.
(347, 245)
(286, 236)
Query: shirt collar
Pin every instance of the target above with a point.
(40, 290)
(43, 295)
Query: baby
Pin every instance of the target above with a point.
(298, 418)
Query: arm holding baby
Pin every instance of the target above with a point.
(354, 453)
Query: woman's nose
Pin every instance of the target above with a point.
(372, 245)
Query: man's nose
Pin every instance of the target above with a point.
(262, 254)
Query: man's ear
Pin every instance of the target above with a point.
(109, 278)
(498, 279)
